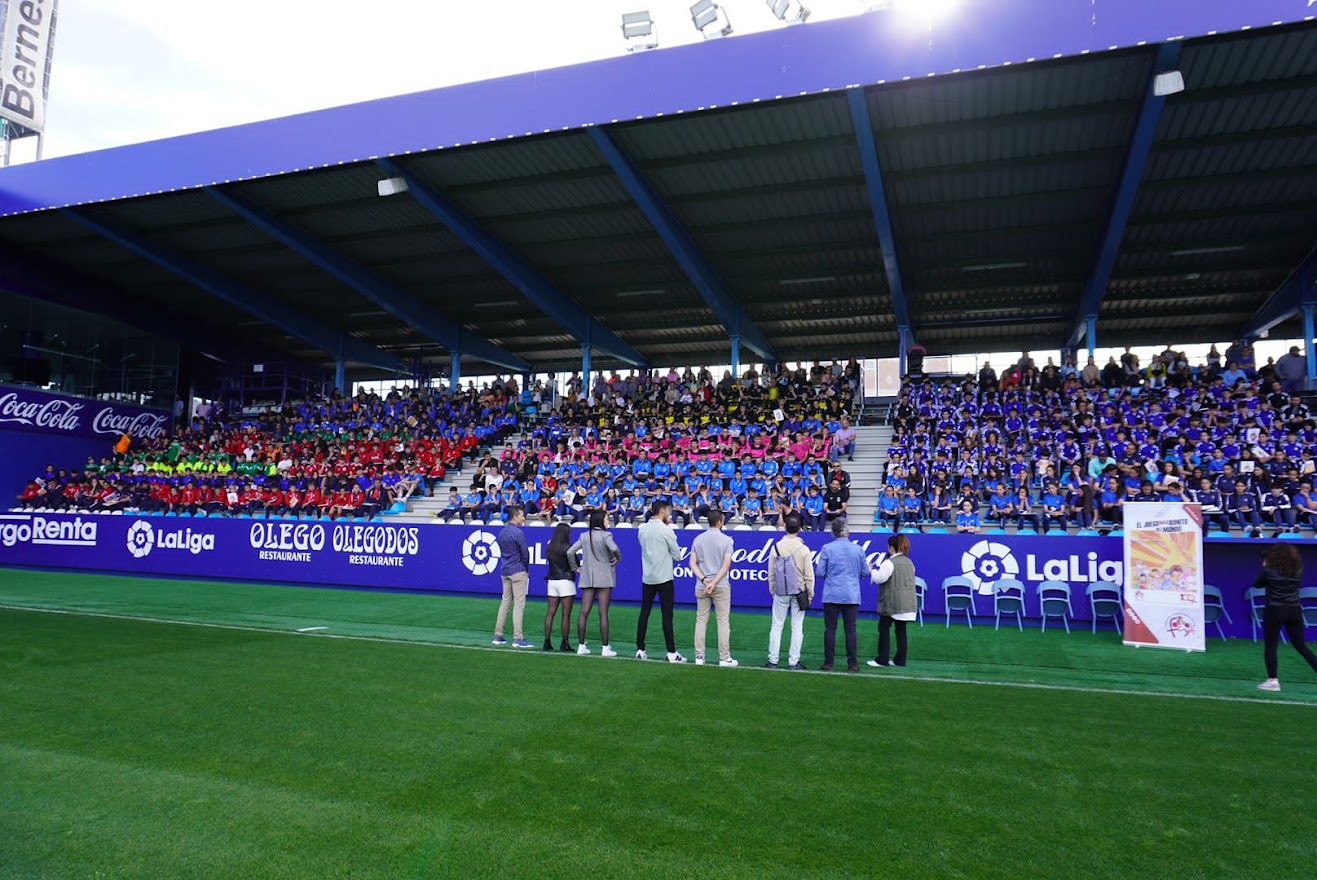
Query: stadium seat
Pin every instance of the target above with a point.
(1104, 600)
(1214, 609)
(921, 591)
(958, 592)
(1054, 601)
(1257, 600)
(1308, 600)
(1008, 598)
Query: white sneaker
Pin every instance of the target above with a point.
(1270, 684)
(674, 657)
(582, 649)
(728, 663)
(641, 655)
(699, 661)
(606, 651)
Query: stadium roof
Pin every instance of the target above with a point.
(809, 191)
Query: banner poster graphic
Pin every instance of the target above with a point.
(28, 409)
(1164, 576)
(26, 44)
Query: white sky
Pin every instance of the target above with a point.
(127, 71)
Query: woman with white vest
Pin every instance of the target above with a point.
(897, 601)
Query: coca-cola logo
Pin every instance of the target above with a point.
(148, 425)
(57, 413)
(48, 412)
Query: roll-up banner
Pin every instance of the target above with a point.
(1164, 576)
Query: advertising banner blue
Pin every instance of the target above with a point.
(464, 559)
(28, 409)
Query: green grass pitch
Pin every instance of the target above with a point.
(386, 747)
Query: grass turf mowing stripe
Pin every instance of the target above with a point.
(319, 631)
(1079, 659)
(149, 750)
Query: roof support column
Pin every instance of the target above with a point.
(586, 388)
(680, 244)
(1136, 159)
(1308, 352)
(736, 355)
(904, 348)
(882, 215)
(1090, 334)
(455, 372)
(341, 365)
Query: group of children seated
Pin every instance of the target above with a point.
(1074, 457)
(344, 457)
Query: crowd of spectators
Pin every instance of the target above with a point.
(340, 457)
(1057, 447)
(755, 448)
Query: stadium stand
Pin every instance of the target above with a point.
(361, 457)
(1056, 448)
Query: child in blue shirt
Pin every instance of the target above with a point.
(967, 521)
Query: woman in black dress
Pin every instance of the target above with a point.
(1281, 569)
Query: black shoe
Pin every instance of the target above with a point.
(548, 645)
(799, 667)
(770, 665)
(854, 667)
(826, 667)
(565, 648)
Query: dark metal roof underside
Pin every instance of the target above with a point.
(999, 184)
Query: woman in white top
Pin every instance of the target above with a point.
(898, 602)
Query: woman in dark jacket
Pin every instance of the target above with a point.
(1281, 568)
(562, 584)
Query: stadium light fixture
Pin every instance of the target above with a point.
(789, 11)
(391, 186)
(1169, 83)
(653, 291)
(1203, 251)
(639, 32)
(820, 279)
(992, 267)
(710, 20)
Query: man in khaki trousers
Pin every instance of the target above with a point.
(514, 566)
(711, 560)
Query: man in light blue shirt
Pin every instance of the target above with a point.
(842, 566)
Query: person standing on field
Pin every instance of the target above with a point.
(514, 566)
(898, 603)
(599, 557)
(711, 560)
(842, 566)
(1279, 577)
(790, 557)
(658, 551)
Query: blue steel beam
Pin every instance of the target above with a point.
(1300, 288)
(1136, 159)
(399, 303)
(548, 299)
(882, 215)
(39, 279)
(330, 340)
(682, 248)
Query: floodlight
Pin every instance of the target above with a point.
(1169, 83)
(639, 32)
(710, 20)
(391, 186)
(789, 11)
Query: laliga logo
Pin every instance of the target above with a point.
(141, 539)
(480, 553)
(988, 562)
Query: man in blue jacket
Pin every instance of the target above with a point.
(841, 566)
(514, 566)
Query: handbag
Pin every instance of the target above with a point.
(802, 600)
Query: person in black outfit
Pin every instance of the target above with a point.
(562, 584)
(1281, 568)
